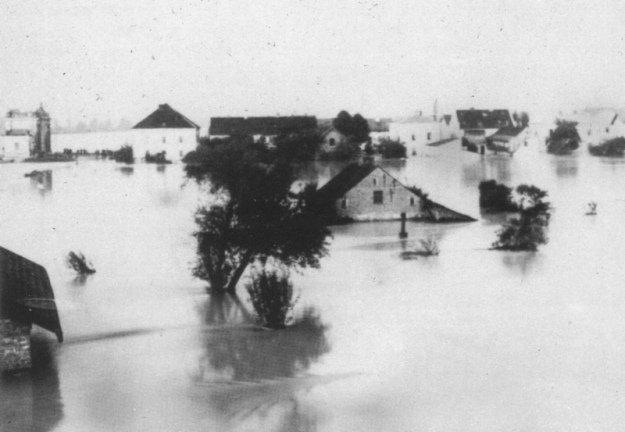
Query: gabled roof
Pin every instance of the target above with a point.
(344, 181)
(417, 119)
(26, 294)
(484, 119)
(508, 132)
(239, 126)
(165, 117)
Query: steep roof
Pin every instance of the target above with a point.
(26, 293)
(484, 119)
(165, 117)
(237, 126)
(344, 181)
(508, 132)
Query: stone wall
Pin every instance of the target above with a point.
(14, 345)
(358, 203)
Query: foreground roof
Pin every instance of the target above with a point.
(165, 117)
(26, 293)
(484, 119)
(238, 126)
(344, 181)
(508, 132)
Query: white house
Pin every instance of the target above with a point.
(596, 125)
(416, 132)
(165, 130)
(15, 146)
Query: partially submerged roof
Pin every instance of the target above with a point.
(507, 133)
(241, 126)
(26, 294)
(344, 181)
(165, 117)
(484, 119)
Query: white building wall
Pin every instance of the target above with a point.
(415, 135)
(175, 142)
(15, 148)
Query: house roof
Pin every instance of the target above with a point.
(484, 119)
(417, 119)
(507, 133)
(18, 132)
(344, 181)
(26, 294)
(237, 126)
(165, 117)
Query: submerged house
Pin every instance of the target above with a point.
(26, 298)
(507, 139)
(479, 125)
(165, 130)
(369, 193)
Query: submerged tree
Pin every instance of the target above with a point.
(526, 232)
(564, 138)
(271, 293)
(256, 214)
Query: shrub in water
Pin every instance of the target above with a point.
(271, 293)
(79, 263)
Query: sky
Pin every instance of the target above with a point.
(121, 59)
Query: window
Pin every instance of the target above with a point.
(164, 140)
(180, 139)
(413, 138)
(344, 203)
(429, 136)
(17, 146)
(375, 182)
(411, 201)
(607, 129)
(378, 197)
(332, 141)
(384, 180)
(390, 194)
(394, 182)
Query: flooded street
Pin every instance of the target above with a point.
(470, 340)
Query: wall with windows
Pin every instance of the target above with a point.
(379, 197)
(16, 147)
(416, 135)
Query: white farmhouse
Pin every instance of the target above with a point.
(165, 130)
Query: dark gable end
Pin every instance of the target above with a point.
(167, 118)
(26, 294)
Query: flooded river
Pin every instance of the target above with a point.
(470, 340)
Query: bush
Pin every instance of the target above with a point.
(272, 297)
(526, 232)
(564, 138)
(79, 263)
(391, 149)
(612, 147)
(124, 155)
(496, 197)
(158, 158)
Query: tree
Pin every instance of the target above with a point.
(360, 128)
(564, 138)
(526, 232)
(255, 214)
(390, 149)
(298, 147)
(344, 123)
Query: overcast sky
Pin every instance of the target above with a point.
(114, 59)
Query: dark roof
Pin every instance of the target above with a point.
(239, 126)
(507, 132)
(26, 293)
(344, 181)
(165, 117)
(484, 119)
(18, 132)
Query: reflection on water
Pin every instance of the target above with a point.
(31, 401)
(126, 170)
(566, 165)
(42, 181)
(521, 262)
(249, 373)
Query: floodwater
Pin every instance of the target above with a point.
(470, 340)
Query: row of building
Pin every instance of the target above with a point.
(166, 130)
